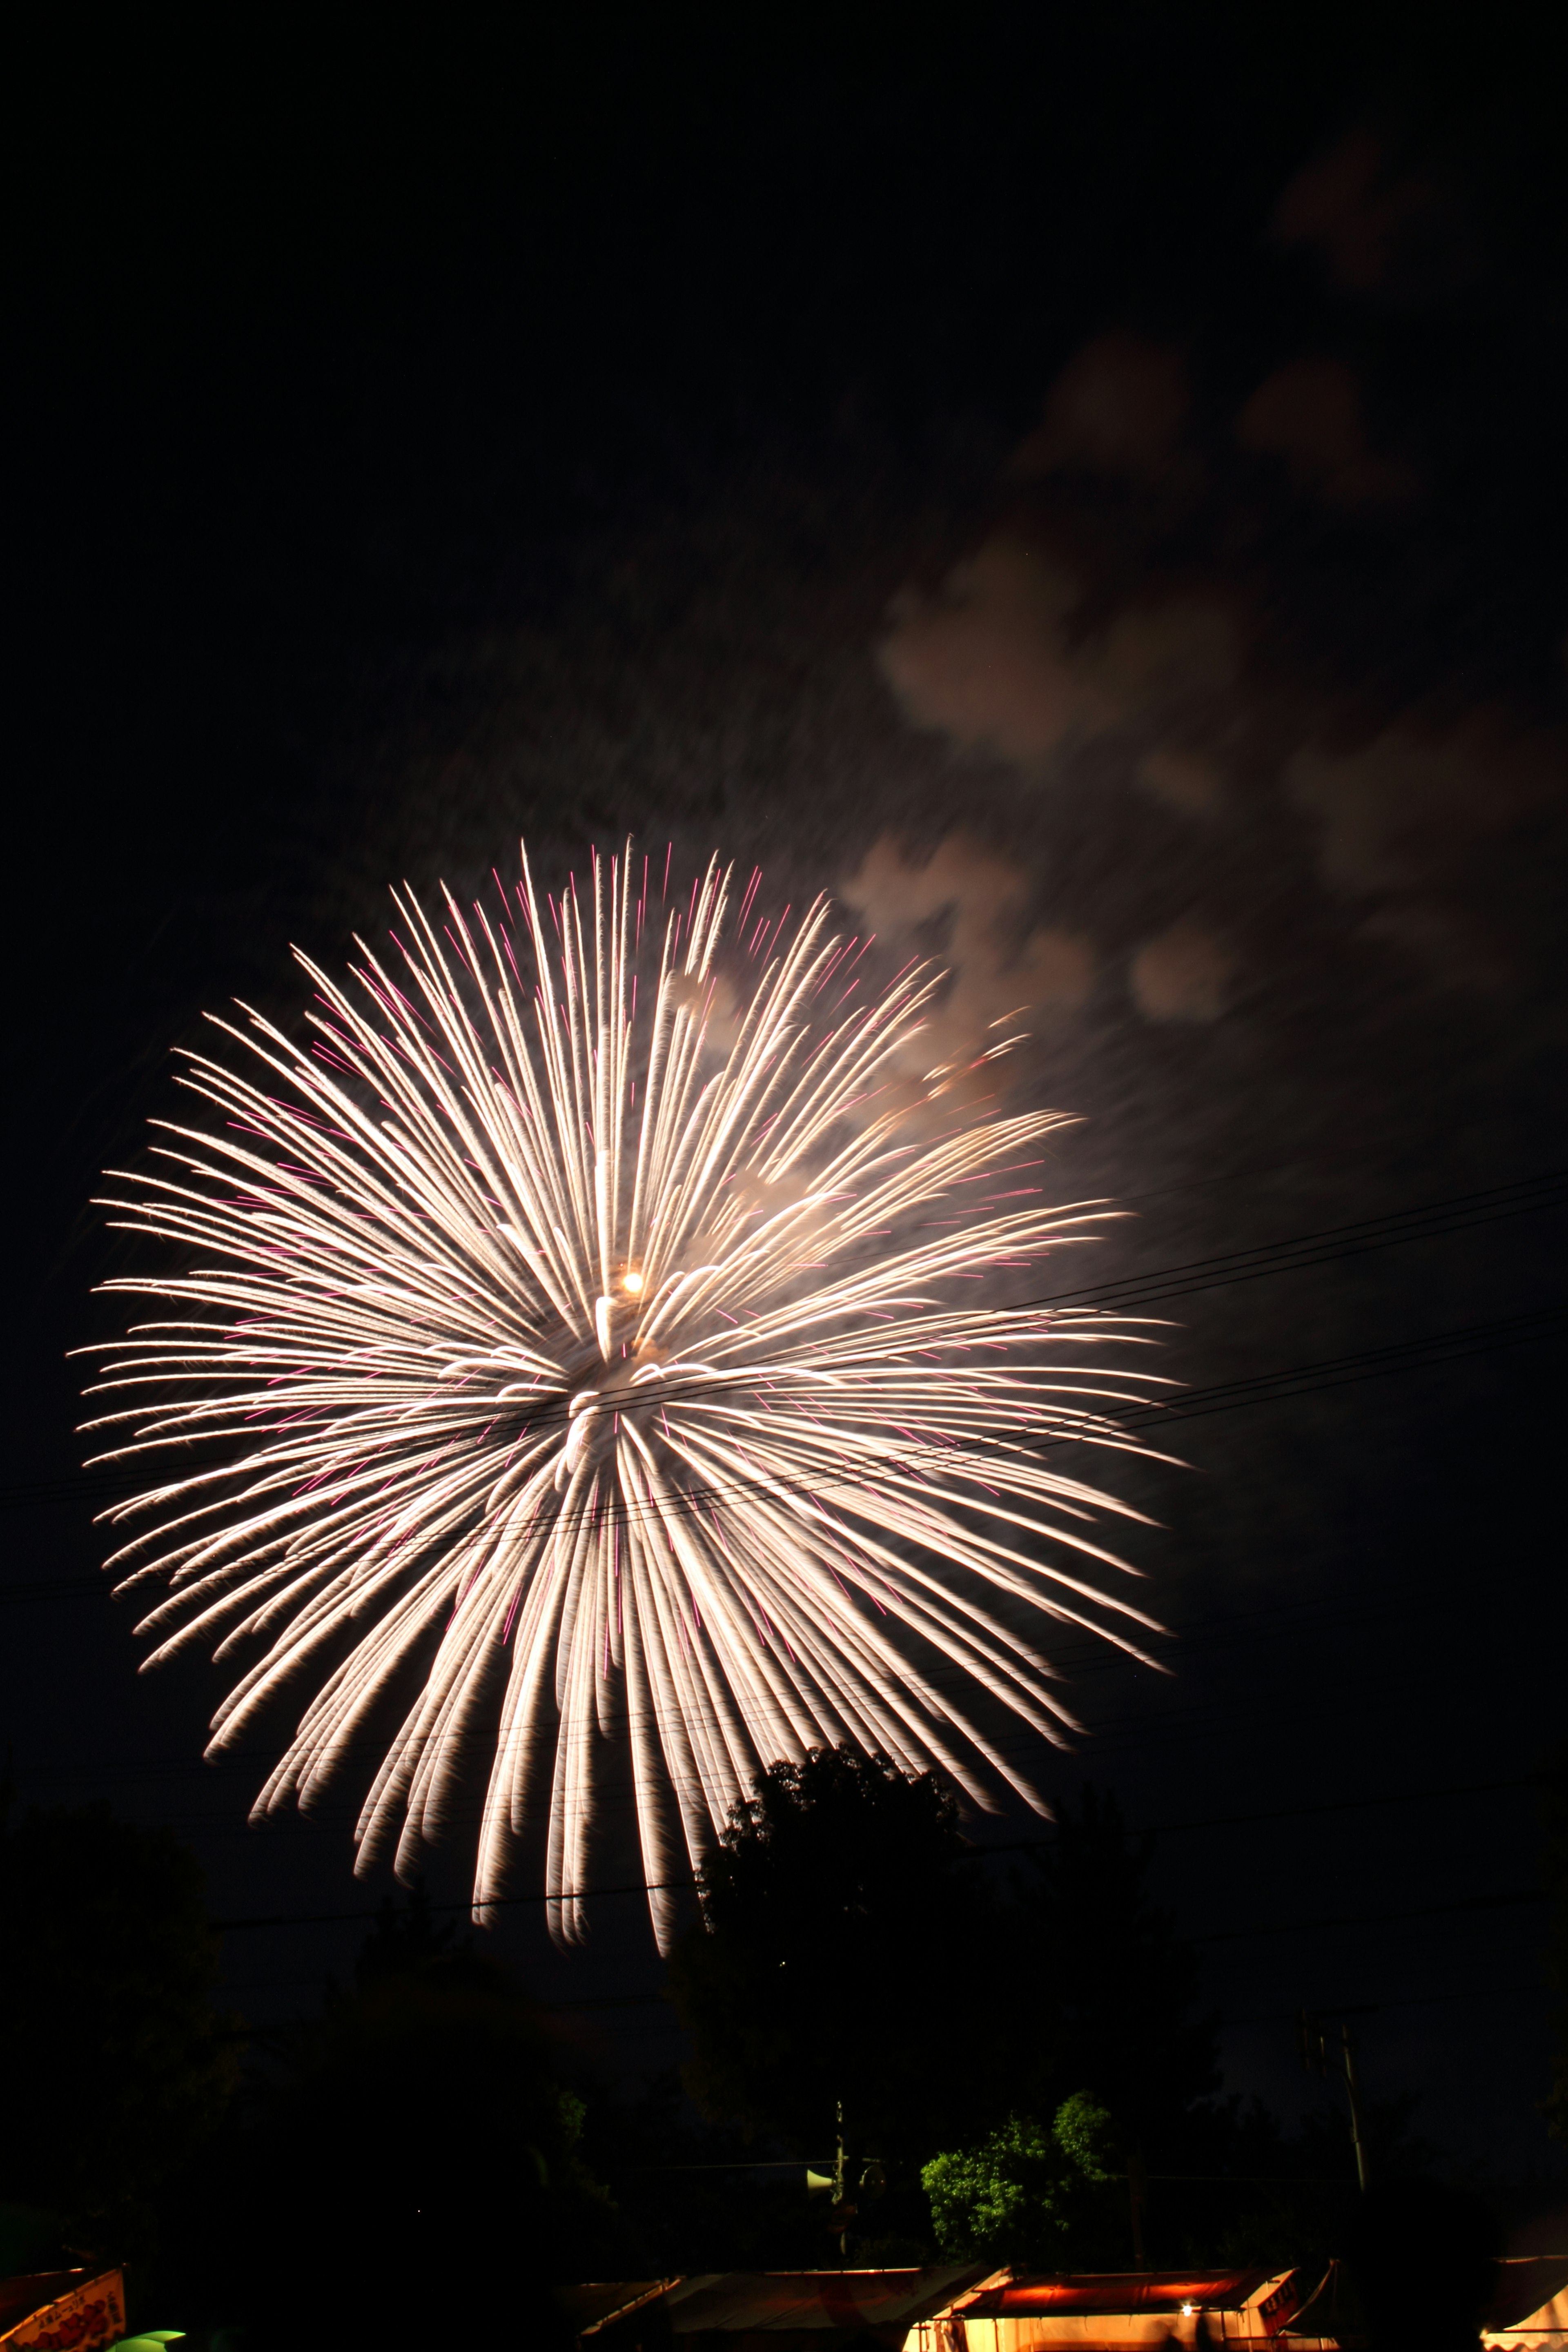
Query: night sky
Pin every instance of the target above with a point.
(1088, 487)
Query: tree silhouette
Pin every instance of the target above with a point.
(1554, 1808)
(414, 2151)
(836, 1963)
(1122, 1985)
(115, 2063)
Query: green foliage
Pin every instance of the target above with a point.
(1081, 2129)
(115, 2063)
(1023, 2193)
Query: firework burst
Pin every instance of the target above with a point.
(597, 1365)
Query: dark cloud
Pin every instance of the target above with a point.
(1380, 228)
(1408, 808)
(1353, 210)
(1183, 975)
(1310, 414)
(1119, 407)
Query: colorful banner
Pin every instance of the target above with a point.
(87, 2319)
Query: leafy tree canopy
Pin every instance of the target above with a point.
(1026, 2195)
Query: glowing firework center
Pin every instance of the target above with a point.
(601, 1358)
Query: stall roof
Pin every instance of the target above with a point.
(1530, 2304)
(1021, 2295)
(824, 2303)
(593, 2307)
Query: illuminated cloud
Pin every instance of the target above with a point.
(1160, 658)
(1183, 975)
(993, 664)
(1310, 414)
(1349, 209)
(1451, 949)
(998, 963)
(1089, 641)
(1182, 781)
(1404, 810)
(1119, 407)
(1379, 231)
(986, 662)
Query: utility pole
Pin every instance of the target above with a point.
(1358, 2128)
(854, 2180)
(1314, 2048)
(842, 2209)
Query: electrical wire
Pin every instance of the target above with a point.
(1225, 1396)
(1076, 1660)
(1410, 2000)
(1503, 1902)
(978, 1852)
(1455, 1212)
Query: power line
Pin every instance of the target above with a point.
(1212, 1716)
(1469, 1340)
(1375, 1918)
(1413, 1796)
(496, 1903)
(1225, 1396)
(1293, 1812)
(1339, 1371)
(1411, 2000)
(1456, 1213)
(1077, 1659)
(1225, 2024)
